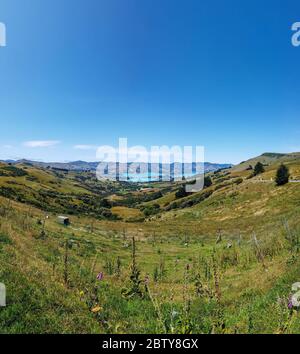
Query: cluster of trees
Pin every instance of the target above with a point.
(181, 193)
(131, 200)
(282, 173)
(189, 202)
(12, 171)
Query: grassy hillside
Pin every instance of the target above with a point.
(58, 190)
(268, 158)
(222, 260)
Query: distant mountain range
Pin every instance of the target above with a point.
(265, 158)
(92, 166)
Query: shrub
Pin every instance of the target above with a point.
(181, 193)
(190, 202)
(238, 181)
(104, 203)
(207, 181)
(13, 171)
(171, 206)
(5, 239)
(151, 210)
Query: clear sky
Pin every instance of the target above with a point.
(80, 73)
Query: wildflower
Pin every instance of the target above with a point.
(100, 276)
(81, 293)
(146, 280)
(290, 303)
(96, 309)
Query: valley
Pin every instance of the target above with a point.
(146, 257)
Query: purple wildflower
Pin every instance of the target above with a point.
(290, 303)
(146, 281)
(100, 276)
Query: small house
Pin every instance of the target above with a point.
(63, 220)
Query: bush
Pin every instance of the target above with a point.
(238, 180)
(12, 171)
(207, 181)
(151, 210)
(181, 193)
(104, 203)
(5, 239)
(190, 202)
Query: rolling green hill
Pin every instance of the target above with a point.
(222, 260)
(267, 158)
(58, 190)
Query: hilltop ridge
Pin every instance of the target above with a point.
(267, 158)
(92, 166)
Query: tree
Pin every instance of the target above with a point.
(282, 175)
(207, 181)
(258, 169)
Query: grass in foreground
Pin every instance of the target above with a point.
(187, 283)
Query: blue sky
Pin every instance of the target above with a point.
(80, 73)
